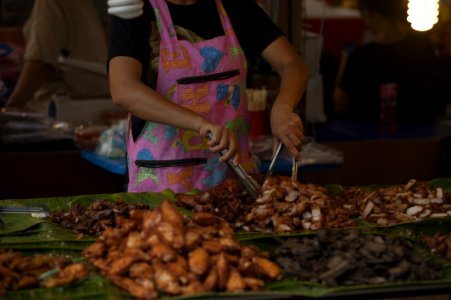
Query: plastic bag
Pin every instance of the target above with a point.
(112, 141)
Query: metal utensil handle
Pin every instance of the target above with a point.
(21, 209)
(249, 184)
(273, 161)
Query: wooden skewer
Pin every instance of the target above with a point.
(294, 170)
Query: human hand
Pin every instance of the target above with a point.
(222, 140)
(125, 9)
(286, 126)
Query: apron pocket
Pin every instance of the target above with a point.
(170, 163)
(209, 77)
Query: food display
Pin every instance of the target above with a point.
(413, 201)
(95, 218)
(297, 239)
(351, 257)
(162, 251)
(285, 206)
(288, 206)
(20, 272)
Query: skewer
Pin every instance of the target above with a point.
(294, 170)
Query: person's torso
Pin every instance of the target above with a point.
(75, 27)
(207, 77)
(409, 63)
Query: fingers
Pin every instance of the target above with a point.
(226, 144)
(290, 131)
(222, 141)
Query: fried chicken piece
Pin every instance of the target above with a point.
(254, 283)
(95, 250)
(211, 281)
(165, 280)
(199, 261)
(141, 290)
(193, 288)
(163, 252)
(171, 235)
(67, 275)
(235, 283)
(26, 282)
(222, 266)
(266, 267)
(121, 265)
(171, 215)
(179, 268)
(192, 238)
(141, 270)
(205, 219)
(213, 246)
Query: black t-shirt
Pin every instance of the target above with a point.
(253, 27)
(411, 63)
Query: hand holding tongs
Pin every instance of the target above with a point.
(248, 183)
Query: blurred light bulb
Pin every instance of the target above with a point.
(423, 14)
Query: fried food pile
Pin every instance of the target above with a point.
(350, 257)
(440, 244)
(20, 272)
(95, 218)
(285, 206)
(398, 204)
(162, 251)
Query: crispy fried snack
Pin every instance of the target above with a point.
(166, 252)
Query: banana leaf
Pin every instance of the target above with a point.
(94, 287)
(56, 203)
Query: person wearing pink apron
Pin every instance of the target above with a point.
(207, 77)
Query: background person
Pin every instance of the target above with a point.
(55, 25)
(396, 54)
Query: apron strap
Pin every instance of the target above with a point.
(164, 20)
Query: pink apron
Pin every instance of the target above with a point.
(207, 77)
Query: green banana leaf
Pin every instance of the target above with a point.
(94, 287)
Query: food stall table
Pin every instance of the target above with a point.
(41, 236)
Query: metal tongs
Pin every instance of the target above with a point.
(36, 211)
(248, 183)
(273, 161)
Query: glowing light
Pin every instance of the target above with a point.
(423, 14)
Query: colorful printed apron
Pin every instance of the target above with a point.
(207, 77)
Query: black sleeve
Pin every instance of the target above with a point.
(130, 37)
(254, 28)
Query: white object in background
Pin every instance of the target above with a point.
(423, 14)
(125, 9)
(314, 94)
(81, 111)
(314, 100)
(313, 45)
(82, 65)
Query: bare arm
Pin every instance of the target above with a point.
(130, 93)
(33, 75)
(286, 125)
